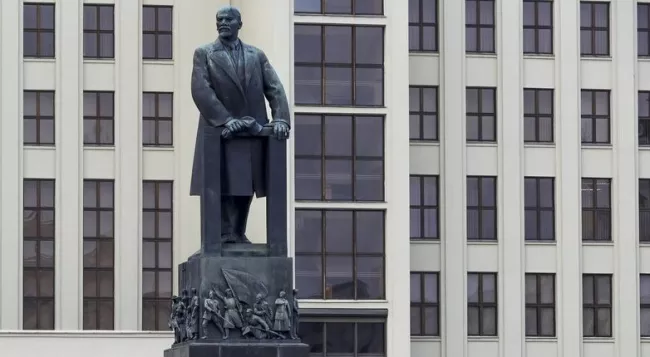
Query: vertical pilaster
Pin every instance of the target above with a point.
(128, 150)
(69, 142)
(10, 164)
(625, 186)
(453, 180)
(510, 178)
(568, 180)
(397, 146)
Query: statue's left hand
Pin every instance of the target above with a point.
(280, 130)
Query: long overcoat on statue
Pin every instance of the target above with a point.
(221, 94)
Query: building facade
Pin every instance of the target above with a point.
(507, 217)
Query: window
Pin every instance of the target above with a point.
(38, 254)
(538, 115)
(596, 209)
(481, 114)
(643, 29)
(99, 118)
(539, 197)
(594, 28)
(38, 30)
(157, 218)
(481, 304)
(340, 7)
(644, 210)
(339, 65)
(595, 116)
(423, 25)
(538, 26)
(99, 31)
(157, 114)
(423, 113)
(157, 32)
(334, 337)
(425, 304)
(479, 26)
(424, 207)
(340, 254)
(98, 255)
(339, 157)
(644, 118)
(481, 208)
(597, 305)
(644, 291)
(540, 305)
(38, 118)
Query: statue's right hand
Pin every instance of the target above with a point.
(235, 125)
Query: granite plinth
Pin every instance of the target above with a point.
(239, 349)
(247, 276)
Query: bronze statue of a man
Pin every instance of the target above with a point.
(230, 81)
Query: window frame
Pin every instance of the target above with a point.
(98, 32)
(645, 8)
(480, 208)
(353, 12)
(98, 118)
(96, 210)
(423, 304)
(421, 207)
(421, 25)
(40, 30)
(353, 158)
(480, 305)
(39, 117)
(323, 254)
(644, 210)
(157, 118)
(158, 300)
(323, 65)
(595, 306)
(321, 349)
(477, 27)
(537, 115)
(538, 306)
(480, 114)
(595, 207)
(157, 32)
(421, 113)
(538, 209)
(644, 120)
(593, 118)
(644, 306)
(593, 29)
(537, 27)
(38, 268)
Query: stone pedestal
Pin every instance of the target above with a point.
(239, 349)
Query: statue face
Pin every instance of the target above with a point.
(282, 294)
(228, 25)
(211, 294)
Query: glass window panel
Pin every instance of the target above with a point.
(340, 338)
(430, 127)
(601, 14)
(312, 6)
(547, 225)
(486, 39)
(370, 277)
(308, 231)
(47, 44)
(338, 135)
(165, 129)
(369, 44)
(429, 11)
(470, 12)
(308, 43)
(89, 254)
(164, 255)
(369, 135)
(429, 38)
(338, 44)
(46, 17)
(473, 321)
(164, 284)
(414, 127)
(164, 46)
(30, 16)
(414, 190)
(531, 289)
(547, 286)
(308, 179)
(30, 288)
(585, 42)
(472, 130)
(531, 319)
(488, 128)
(547, 317)
(338, 180)
(416, 322)
(531, 225)
(338, 232)
(369, 232)
(309, 278)
(90, 17)
(587, 290)
(338, 86)
(339, 278)
(642, 43)
(530, 40)
(489, 288)
(165, 225)
(149, 18)
(585, 14)
(604, 318)
(106, 253)
(486, 12)
(489, 320)
(29, 254)
(106, 20)
(645, 322)
(30, 44)
(472, 288)
(164, 18)
(90, 45)
(90, 224)
(431, 288)
(415, 223)
(46, 283)
(308, 85)
(369, 180)
(414, 38)
(430, 223)
(416, 292)
(369, 86)
(545, 40)
(431, 321)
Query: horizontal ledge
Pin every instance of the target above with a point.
(86, 334)
(339, 312)
(306, 19)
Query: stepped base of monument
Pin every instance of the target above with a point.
(239, 349)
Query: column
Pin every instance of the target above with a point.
(191, 30)
(397, 145)
(625, 184)
(10, 165)
(510, 179)
(453, 179)
(568, 180)
(128, 174)
(69, 142)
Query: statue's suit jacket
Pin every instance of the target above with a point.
(220, 95)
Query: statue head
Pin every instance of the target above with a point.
(229, 293)
(229, 23)
(295, 292)
(282, 294)
(175, 298)
(193, 291)
(259, 297)
(184, 292)
(211, 294)
(249, 312)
